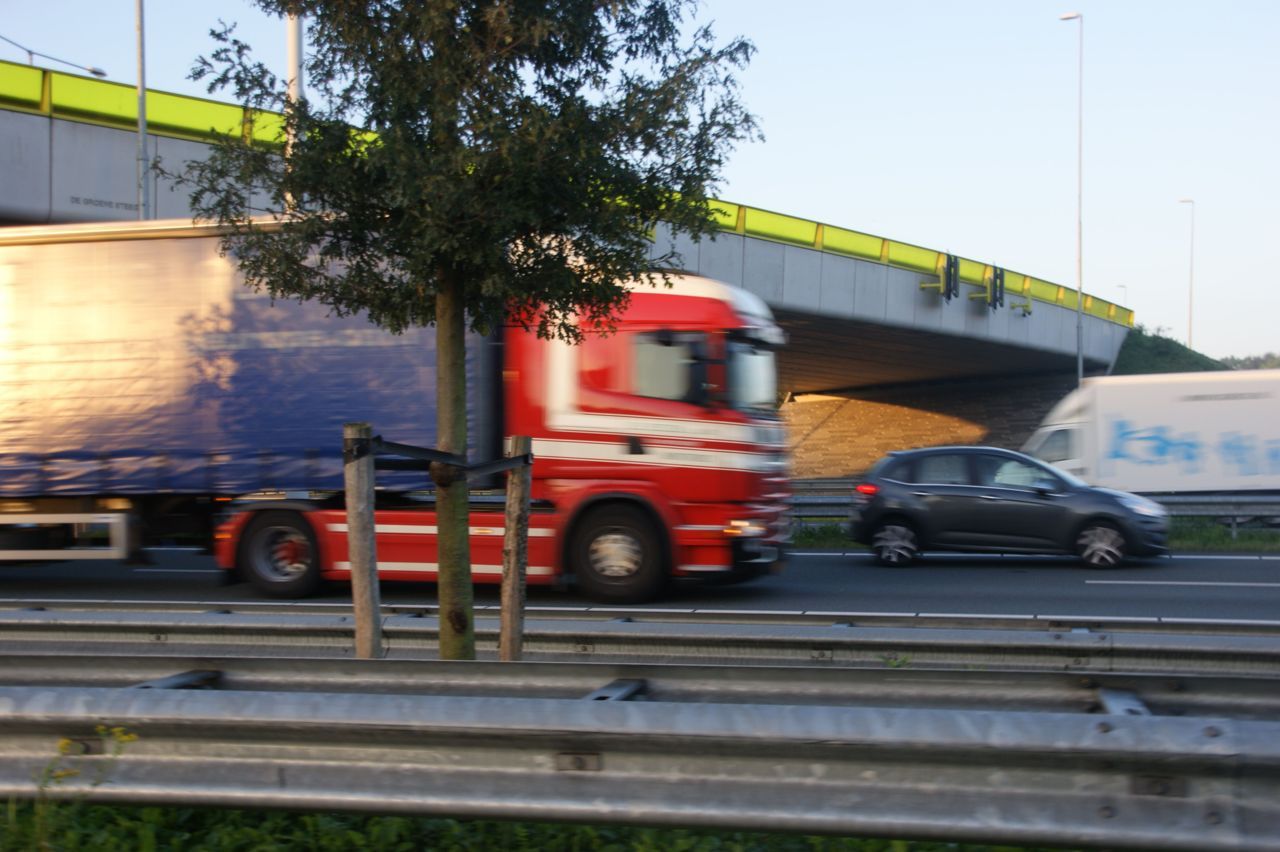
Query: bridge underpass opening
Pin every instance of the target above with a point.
(829, 354)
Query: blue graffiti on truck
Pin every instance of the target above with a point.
(1242, 454)
(1155, 445)
(1247, 455)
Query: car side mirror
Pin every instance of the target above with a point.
(1045, 487)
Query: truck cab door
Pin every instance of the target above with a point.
(1060, 446)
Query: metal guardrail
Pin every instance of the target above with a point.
(830, 500)
(833, 641)
(678, 615)
(1120, 761)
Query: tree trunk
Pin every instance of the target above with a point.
(457, 627)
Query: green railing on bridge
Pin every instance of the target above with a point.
(55, 94)
(753, 222)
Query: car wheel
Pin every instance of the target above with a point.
(279, 556)
(1101, 545)
(617, 557)
(895, 543)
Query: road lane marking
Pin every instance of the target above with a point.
(831, 553)
(1179, 583)
(1057, 557)
(1220, 556)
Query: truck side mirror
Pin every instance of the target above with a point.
(699, 386)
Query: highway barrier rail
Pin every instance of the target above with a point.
(1122, 761)
(607, 635)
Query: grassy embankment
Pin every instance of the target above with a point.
(1151, 352)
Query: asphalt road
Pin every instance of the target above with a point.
(1197, 587)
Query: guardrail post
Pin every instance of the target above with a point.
(358, 479)
(515, 554)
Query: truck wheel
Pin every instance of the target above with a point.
(617, 558)
(279, 556)
(895, 543)
(1101, 545)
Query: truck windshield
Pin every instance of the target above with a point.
(752, 376)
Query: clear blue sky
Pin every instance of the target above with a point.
(947, 125)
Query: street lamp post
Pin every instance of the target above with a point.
(32, 54)
(144, 194)
(293, 52)
(1191, 267)
(1077, 16)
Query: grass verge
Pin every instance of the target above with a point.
(125, 829)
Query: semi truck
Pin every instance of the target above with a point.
(148, 396)
(1208, 432)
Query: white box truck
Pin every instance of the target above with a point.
(1212, 432)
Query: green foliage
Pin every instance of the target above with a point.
(524, 150)
(1270, 361)
(151, 829)
(1153, 352)
(77, 768)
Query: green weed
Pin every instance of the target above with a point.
(150, 829)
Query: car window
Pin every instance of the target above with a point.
(942, 469)
(1009, 473)
(897, 469)
(1056, 446)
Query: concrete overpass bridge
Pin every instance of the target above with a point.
(867, 316)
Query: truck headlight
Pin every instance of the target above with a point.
(746, 529)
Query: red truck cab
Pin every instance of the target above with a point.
(658, 453)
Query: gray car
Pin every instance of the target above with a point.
(995, 500)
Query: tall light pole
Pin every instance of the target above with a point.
(1077, 16)
(1191, 267)
(32, 54)
(144, 201)
(293, 53)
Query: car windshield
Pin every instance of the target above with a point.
(752, 373)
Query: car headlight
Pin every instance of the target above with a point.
(1143, 506)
